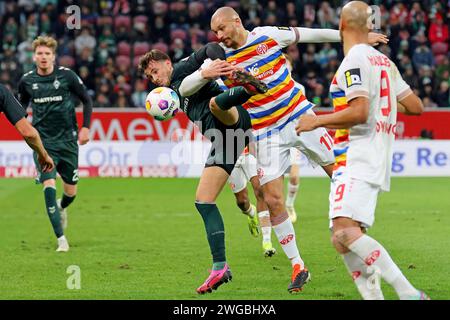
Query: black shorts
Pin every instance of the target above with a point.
(228, 142)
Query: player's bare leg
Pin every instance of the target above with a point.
(69, 194)
(249, 210)
(284, 230)
(53, 214)
(264, 218)
(328, 169)
(348, 236)
(211, 184)
(293, 185)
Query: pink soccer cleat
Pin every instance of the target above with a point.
(215, 279)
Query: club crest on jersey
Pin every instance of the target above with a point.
(34, 86)
(262, 48)
(353, 77)
(56, 83)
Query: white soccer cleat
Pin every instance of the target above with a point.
(62, 214)
(63, 245)
(292, 214)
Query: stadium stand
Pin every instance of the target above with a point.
(115, 34)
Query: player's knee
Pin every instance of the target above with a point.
(70, 190)
(274, 201)
(338, 246)
(242, 200)
(213, 107)
(49, 183)
(347, 236)
(294, 180)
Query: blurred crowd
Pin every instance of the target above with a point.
(105, 50)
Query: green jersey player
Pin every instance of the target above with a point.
(53, 93)
(16, 115)
(221, 119)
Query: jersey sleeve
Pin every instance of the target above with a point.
(401, 88)
(24, 97)
(10, 106)
(354, 77)
(284, 36)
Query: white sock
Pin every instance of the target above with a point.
(266, 226)
(62, 238)
(368, 284)
(291, 194)
(375, 255)
(284, 230)
(250, 211)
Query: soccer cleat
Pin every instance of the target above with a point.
(269, 250)
(292, 214)
(216, 279)
(62, 214)
(63, 245)
(253, 223)
(299, 278)
(249, 82)
(420, 296)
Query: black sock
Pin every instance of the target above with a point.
(233, 97)
(215, 231)
(52, 210)
(66, 200)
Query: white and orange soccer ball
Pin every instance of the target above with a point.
(162, 103)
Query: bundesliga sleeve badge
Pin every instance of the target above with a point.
(353, 77)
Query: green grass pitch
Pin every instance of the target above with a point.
(143, 239)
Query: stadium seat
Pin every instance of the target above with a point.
(178, 34)
(123, 49)
(141, 48)
(234, 4)
(124, 21)
(439, 48)
(104, 20)
(140, 19)
(66, 61)
(440, 59)
(136, 61)
(123, 60)
(161, 46)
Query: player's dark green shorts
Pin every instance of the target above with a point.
(228, 142)
(65, 157)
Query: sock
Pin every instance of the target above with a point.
(284, 230)
(266, 226)
(52, 210)
(66, 200)
(367, 284)
(215, 232)
(292, 194)
(233, 97)
(374, 254)
(250, 212)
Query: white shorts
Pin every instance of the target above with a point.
(352, 198)
(274, 155)
(243, 171)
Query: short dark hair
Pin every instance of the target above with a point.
(153, 55)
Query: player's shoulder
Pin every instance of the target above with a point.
(28, 75)
(65, 71)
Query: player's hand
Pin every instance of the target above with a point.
(377, 38)
(307, 122)
(83, 136)
(216, 69)
(46, 163)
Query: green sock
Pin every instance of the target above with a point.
(233, 97)
(215, 232)
(66, 200)
(52, 210)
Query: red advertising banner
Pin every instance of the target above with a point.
(136, 125)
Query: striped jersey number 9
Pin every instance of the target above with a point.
(339, 193)
(385, 93)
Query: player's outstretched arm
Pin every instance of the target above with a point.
(410, 105)
(32, 138)
(310, 35)
(356, 113)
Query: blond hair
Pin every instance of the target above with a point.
(45, 41)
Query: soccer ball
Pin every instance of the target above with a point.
(162, 103)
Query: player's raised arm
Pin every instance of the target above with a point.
(79, 89)
(310, 35)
